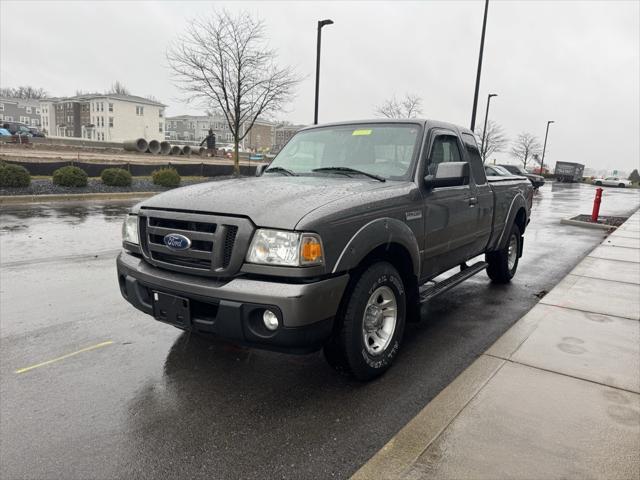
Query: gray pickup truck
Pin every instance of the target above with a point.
(334, 245)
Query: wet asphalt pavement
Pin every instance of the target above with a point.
(157, 403)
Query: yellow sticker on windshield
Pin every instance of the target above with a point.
(361, 132)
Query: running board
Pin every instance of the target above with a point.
(432, 291)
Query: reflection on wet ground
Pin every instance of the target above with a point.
(40, 231)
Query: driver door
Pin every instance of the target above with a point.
(449, 211)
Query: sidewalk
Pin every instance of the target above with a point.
(557, 396)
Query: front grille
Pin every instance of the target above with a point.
(214, 248)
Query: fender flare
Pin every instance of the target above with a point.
(374, 234)
(517, 203)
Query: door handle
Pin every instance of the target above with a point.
(473, 201)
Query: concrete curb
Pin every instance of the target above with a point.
(578, 223)
(67, 197)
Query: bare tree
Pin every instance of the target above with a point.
(494, 140)
(118, 88)
(408, 107)
(24, 92)
(526, 147)
(224, 61)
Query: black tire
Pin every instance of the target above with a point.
(499, 270)
(598, 184)
(621, 185)
(346, 350)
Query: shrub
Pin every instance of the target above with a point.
(166, 177)
(70, 177)
(14, 176)
(116, 177)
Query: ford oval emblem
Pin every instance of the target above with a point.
(175, 241)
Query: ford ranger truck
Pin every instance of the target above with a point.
(334, 245)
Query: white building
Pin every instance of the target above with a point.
(116, 118)
(47, 115)
(104, 117)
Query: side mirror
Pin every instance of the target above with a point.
(448, 174)
(261, 168)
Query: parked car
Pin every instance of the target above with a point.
(612, 182)
(568, 172)
(4, 132)
(536, 180)
(16, 127)
(333, 245)
(36, 132)
(496, 171)
(23, 131)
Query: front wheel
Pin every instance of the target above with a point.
(599, 184)
(621, 185)
(504, 263)
(371, 324)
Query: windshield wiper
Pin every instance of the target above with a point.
(350, 170)
(286, 171)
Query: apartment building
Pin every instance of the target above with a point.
(260, 138)
(67, 116)
(104, 117)
(282, 134)
(20, 110)
(194, 128)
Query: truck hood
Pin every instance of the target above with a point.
(269, 201)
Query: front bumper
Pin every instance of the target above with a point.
(233, 309)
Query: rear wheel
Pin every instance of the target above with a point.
(371, 324)
(504, 263)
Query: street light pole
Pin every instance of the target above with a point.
(486, 116)
(475, 95)
(544, 149)
(321, 23)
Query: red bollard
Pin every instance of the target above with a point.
(596, 205)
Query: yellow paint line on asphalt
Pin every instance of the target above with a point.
(54, 360)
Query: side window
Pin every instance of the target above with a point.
(475, 161)
(444, 149)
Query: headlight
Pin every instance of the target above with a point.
(293, 249)
(130, 230)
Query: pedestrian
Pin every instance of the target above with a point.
(211, 143)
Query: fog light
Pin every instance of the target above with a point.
(270, 320)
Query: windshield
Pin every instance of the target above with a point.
(377, 149)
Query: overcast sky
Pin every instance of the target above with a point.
(575, 62)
